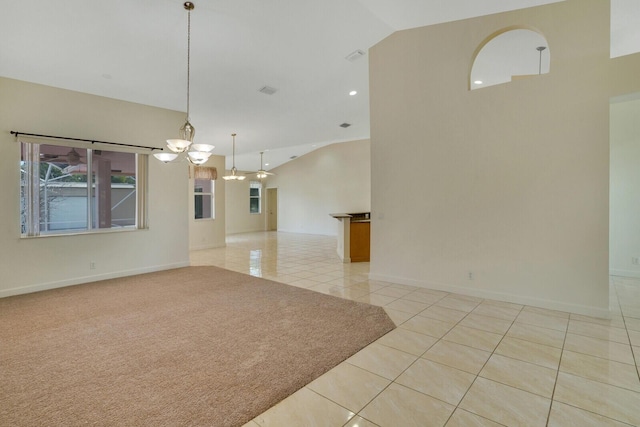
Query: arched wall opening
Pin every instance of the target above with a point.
(509, 54)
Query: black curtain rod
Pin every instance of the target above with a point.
(93, 141)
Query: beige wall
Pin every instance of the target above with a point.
(624, 232)
(238, 217)
(39, 263)
(209, 233)
(501, 192)
(332, 179)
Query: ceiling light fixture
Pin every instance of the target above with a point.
(262, 174)
(477, 82)
(199, 153)
(234, 172)
(353, 93)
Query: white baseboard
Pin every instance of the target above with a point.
(500, 296)
(87, 279)
(206, 246)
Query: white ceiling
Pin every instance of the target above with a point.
(136, 51)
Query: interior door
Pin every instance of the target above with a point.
(272, 206)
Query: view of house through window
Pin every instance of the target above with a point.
(69, 189)
(204, 192)
(255, 194)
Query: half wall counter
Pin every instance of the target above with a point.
(354, 236)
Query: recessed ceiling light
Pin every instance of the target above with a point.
(266, 164)
(477, 82)
(353, 92)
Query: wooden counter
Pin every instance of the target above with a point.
(360, 241)
(354, 239)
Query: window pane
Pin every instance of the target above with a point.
(254, 196)
(203, 186)
(204, 199)
(203, 206)
(198, 206)
(63, 188)
(56, 197)
(114, 189)
(254, 205)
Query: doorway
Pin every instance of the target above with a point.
(272, 209)
(624, 206)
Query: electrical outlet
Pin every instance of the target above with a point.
(92, 265)
(635, 260)
(471, 275)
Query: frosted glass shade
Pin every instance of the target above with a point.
(165, 157)
(204, 148)
(198, 157)
(178, 145)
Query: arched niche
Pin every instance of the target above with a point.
(507, 55)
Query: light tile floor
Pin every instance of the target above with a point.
(454, 360)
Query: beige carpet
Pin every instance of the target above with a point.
(197, 346)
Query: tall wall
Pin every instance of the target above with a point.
(624, 234)
(501, 192)
(238, 217)
(335, 178)
(33, 264)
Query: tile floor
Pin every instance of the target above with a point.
(454, 360)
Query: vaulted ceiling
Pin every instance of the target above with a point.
(136, 51)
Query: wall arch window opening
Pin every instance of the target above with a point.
(510, 55)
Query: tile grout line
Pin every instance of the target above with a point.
(624, 320)
(411, 364)
(485, 364)
(555, 384)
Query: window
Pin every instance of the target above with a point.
(70, 189)
(204, 191)
(255, 194)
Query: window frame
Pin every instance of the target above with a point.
(30, 183)
(202, 193)
(255, 185)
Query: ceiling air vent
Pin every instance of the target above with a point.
(345, 125)
(268, 90)
(356, 54)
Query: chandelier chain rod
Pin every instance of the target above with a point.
(188, 60)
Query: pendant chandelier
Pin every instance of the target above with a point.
(234, 172)
(196, 153)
